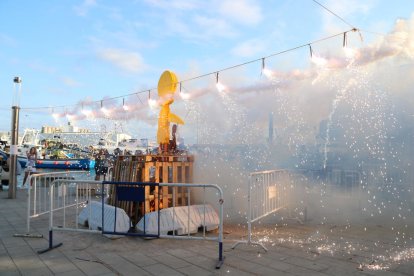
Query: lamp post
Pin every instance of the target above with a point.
(14, 137)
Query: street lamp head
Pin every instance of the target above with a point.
(17, 80)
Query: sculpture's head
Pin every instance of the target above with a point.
(166, 87)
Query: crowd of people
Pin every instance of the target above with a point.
(103, 159)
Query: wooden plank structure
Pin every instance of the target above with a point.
(155, 169)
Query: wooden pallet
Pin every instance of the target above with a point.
(155, 169)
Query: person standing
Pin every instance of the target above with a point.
(106, 163)
(31, 163)
(99, 164)
(173, 141)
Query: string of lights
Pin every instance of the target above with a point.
(215, 73)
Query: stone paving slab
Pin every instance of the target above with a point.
(291, 252)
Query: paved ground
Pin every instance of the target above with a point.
(293, 250)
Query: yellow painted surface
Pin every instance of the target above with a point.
(167, 85)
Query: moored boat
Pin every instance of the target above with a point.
(66, 164)
(21, 159)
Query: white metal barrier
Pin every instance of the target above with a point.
(65, 200)
(267, 193)
(66, 197)
(220, 201)
(38, 194)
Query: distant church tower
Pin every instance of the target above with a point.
(271, 131)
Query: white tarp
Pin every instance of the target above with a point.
(182, 220)
(92, 214)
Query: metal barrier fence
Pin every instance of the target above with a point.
(132, 192)
(38, 194)
(65, 200)
(267, 193)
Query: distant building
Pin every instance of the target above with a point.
(68, 128)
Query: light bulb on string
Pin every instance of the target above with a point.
(124, 106)
(220, 87)
(310, 51)
(345, 41)
(316, 59)
(184, 96)
(349, 52)
(265, 71)
(151, 103)
(104, 110)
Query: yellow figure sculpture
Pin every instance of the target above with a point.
(166, 89)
